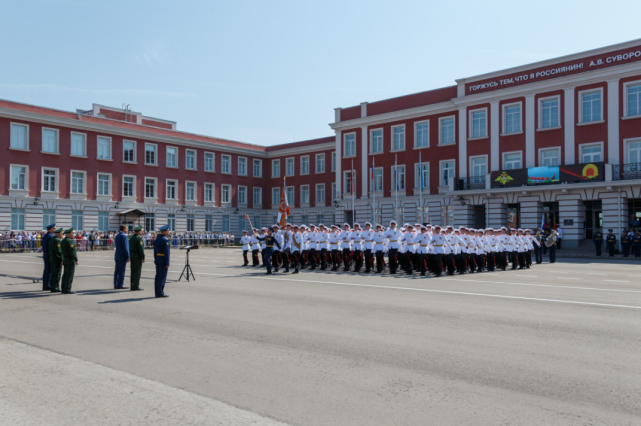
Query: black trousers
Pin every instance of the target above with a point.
(598, 247)
(552, 250)
(379, 261)
(358, 260)
(368, 260)
(346, 258)
(323, 258)
(296, 260)
(422, 260)
(637, 250)
(245, 257)
(438, 264)
(393, 260)
(611, 249)
(312, 258)
(528, 258)
(626, 249)
(538, 255)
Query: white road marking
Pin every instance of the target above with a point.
(558, 272)
(564, 278)
(616, 281)
(527, 276)
(594, 273)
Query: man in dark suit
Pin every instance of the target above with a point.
(161, 260)
(46, 274)
(597, 238)
(121, 245)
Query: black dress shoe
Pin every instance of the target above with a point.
(56, 291)
(68, 292)
(121, 288)
(137, 289)
(163, 295)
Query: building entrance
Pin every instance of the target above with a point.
(479, 217)
(593, 217)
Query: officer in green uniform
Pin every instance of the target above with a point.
(610, 241)
(69, 259)
(597, 238)
(626, 240)
(636, 243)
(137, 258)
(55, 259)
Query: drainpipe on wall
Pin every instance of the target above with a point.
(619, 204)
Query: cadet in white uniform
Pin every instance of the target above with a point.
(368, 245)
(245, 240)
(394, 237)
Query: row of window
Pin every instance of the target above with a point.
(304, 165)
(304, 194)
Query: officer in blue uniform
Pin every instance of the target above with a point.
(121, 256)
(610, 241)
(270, 241)
(626, 240)
(636, 243)
(46, 274)
(597, 238)
(161, 259)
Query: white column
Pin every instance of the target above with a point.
(494, 136)
(462, 142)
(530, 129)
(613, 122)
(339, 156)
(364, 109)
(337, 115)
(568, 126)
(364, 175)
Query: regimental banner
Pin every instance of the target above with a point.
(573, 173)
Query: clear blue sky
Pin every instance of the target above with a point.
(269, 72)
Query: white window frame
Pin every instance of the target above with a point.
(317, 191)
(416, 124)
(238, 195)
(222, 160)
(135, 160)
(392, 128)
(626, 146)
(246, 166)
(440, 170)
(133, 188)
(333, 160)
(260, 167)
(84, 136)
(393, 183)
(42, 184)
(417, 180)
(382, 170)
(471, 123)
(580, 100)
(84, 182)
(167, 157)
(276, 189)
(110, 146)
(155, 163)
(98, 184)
(504, 108)
(345, 154)
(274, 163)
(292, 161)
(542, 150)
(440, 130)
(504, 160)
(302, 169)
(302, 199)
(292, 190)
(195, 152)
(316, 159)
(57, 141)
(540, 106)
(213, 192)
(260, 196)
(26, 177)
(588, 145)
(371, 141)
(175, 182)
(213, 161)
(626, 107)
(187, 182)
(26, 140)
(471, 167)
(227, 188)
(155, 197)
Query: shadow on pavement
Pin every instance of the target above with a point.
(125, 300)
(100, 292)
(24, 294)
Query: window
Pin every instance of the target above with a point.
(347, 181)
(150, 222)
(512, 161)
(512, 118)
(77, 183)
(150, 154)
(258, 168)
(49, 180)
(209, 161)
(479, 124)
(400, 178)
(191, 223)
(304, 194)
(171, 221)
(275, 196)
(225, 164)
(104, 184)
(19, 178)
(103, 221)
(77, 220)
(104, 148)
(304, 165)
(349, 150)
(258, 196)
(478, 166)
(378, 216)
(190, 159)
(242, 166)
(398, 138)
(172, 156)
(19, 136)
(591, 153)
(305, 219)
(242, 195)
(333, 161)
(190, 191)
(225, 223)
(447, 172)
(275, 168)
(290, 195)
(226, 194)
(209, 192)
(376, 143)
(78, 144)
(129, 152)
(209, 223)
(48, 217)
(550, 157)
(49, 140)
(378, 179)
(320, 193)
(633, 98)
(422, 134)
(634, 153)
(257, 221)
(150, 188)
(549, 113)
(171, 189)
(128, 186)
(424, 170)
(289, 167)
(446, 130)
(320, 163)
(241, 224)
(590, 106)
(17, 219)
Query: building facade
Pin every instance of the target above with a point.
(557, 141)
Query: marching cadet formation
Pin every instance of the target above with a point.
(413, 248)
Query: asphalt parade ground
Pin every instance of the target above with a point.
(558, 344)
